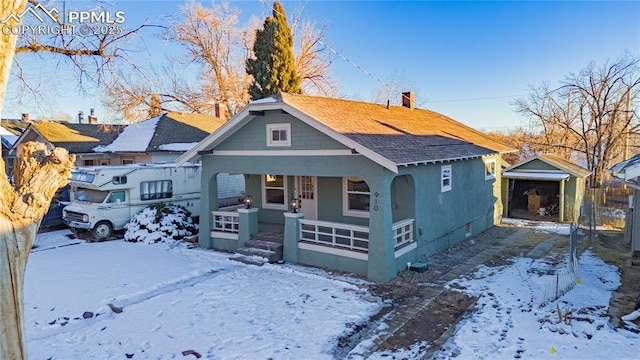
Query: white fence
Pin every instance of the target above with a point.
(565, 279)
(225, 221)
(336, 235)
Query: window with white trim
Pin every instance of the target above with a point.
(127, 161)
(274, 192)
(356, 197)
(490, 169)
(445, 178)
(278, 134)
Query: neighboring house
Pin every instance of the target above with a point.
(380, 186)
(10, 131)
(159, 139)
(78, 139)
(555, 184)
(629, 171)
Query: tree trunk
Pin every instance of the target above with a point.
(38, 174)
(8, 43)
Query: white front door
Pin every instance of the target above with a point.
(306, 191)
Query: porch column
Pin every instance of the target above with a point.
(247, 224)
(561, 202)
(381, 265)
(208, 203)
(291, 236)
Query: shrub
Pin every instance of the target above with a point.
(160, 223)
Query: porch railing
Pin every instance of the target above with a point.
(402, 233)
(336, 235)
(225, 221)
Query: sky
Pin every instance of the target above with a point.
(465, 59)
(175, 299)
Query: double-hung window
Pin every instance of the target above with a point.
(445, 178)
(490, 169)
(274, 192)
(356, 197)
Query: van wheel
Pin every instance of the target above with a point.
(102, 230)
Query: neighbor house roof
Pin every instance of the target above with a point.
(628, 169)
(10, 131)
(170, 131)
(76, 138)
(561, 164)
(398, 134)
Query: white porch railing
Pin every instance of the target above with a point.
(225, 221)
(336, 235)
(402, 233)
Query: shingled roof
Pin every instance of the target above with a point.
(76, 138)
(170, 131)
(401, 135)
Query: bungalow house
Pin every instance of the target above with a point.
(356, 187)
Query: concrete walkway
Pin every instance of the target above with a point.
(403, 315)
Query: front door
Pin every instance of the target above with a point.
(306, 190)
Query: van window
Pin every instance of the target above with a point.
(118, 180)
(154, 190)
(90, 195)
(116, 196)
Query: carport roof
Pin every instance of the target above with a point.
(536, 175)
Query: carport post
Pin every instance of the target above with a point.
(561, 202)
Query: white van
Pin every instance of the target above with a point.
(104, 198)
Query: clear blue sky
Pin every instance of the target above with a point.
(468, 60)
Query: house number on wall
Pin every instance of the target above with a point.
(375, 201)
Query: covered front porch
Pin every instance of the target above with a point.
(352, 224)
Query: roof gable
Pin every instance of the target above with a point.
(557, 163)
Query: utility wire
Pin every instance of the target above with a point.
(342, 56)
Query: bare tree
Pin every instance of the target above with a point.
(39, 171)
(590, 116)
(215, 41)
(391, 89)
(91, 51)
(8, 43)
(312, 57)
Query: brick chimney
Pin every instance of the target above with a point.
(219, 110)
(93, 119)
(80, 117)
(408, 99)
(25, 117)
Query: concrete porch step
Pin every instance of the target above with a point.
(269, 237)
(272, 252)
(249, 260)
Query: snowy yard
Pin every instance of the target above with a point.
(178, 299)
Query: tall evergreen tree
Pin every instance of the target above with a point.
(273, 67)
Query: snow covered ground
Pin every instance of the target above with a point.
(508, 322)
(175, 299)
